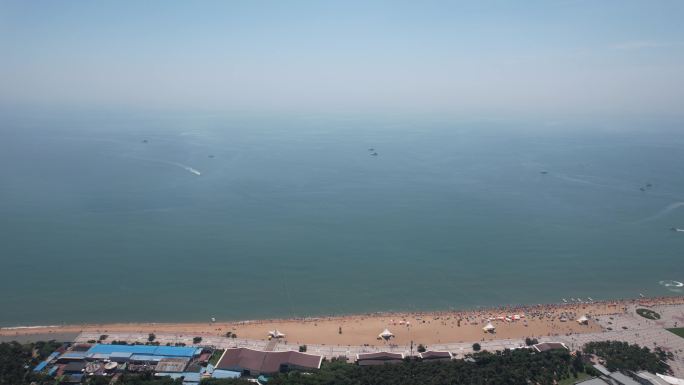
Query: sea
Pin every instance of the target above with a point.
(169, 217)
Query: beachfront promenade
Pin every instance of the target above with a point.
(638, 330)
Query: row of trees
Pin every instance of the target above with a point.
(16, 361)
(507, 367)
(622, 355)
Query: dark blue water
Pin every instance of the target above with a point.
(292, 216)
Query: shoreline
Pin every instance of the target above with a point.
(506, 307)
(541, 320)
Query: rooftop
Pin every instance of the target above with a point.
(380, 356)
(546, 346)
(172, 365)
(266, 362)
(431, 354)
(172, 351)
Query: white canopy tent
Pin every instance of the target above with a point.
(489, 327)
(386, 334)
(276, 334)
(583, 319)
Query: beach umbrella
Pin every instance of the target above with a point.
(489, 327)
(583, 319)
(386, 334)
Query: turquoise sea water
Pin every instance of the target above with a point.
(293, 217)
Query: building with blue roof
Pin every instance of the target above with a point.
(72, 356)
(45, 363)
(146, 353)
(40, 366)
(220, 373)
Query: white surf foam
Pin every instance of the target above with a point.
(28, 327)
(673, 286)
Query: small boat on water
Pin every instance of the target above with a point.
(565, 300)
(677, 229)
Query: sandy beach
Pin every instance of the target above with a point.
(427, 328)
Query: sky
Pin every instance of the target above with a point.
(480, 57)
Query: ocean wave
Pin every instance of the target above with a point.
(673, 286)
(29, 327)
(671, 283)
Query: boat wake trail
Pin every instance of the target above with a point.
(187, 168)
(662, 212)
(176, 164)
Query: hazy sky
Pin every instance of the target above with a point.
(514, 56)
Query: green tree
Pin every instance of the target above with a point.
(622, 355)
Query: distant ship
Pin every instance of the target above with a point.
(374, 154)
(677, 229)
